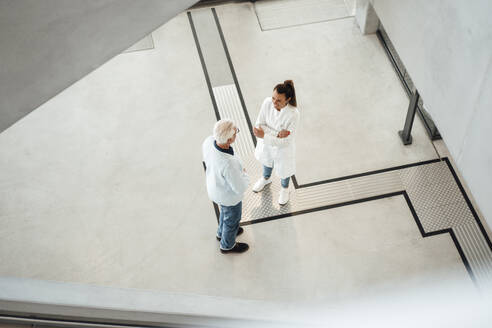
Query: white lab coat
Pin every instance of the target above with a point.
(226, 180)
(270, 150)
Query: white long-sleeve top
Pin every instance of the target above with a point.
(226, 180)
(270, 150)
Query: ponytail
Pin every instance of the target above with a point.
(287, 88)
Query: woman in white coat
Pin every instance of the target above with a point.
(275, 129)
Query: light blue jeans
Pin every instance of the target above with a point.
(229, 225)
(267, 173)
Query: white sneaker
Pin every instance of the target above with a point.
(261, 183)
(283, 197)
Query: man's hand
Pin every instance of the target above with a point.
(283, 134)
(258, 132)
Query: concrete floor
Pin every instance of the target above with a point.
(104, 184)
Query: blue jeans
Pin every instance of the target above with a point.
(229, 225)
(267, 173)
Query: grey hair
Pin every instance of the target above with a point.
(224, 130)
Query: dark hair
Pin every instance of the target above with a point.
(287, 89)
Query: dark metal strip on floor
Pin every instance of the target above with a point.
(233, 72)
(204, 67)
(368, 173)
(321, 208)
(434, 233)
(470, 205)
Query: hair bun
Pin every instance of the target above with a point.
(288, 89)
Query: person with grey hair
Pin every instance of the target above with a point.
(226, 183)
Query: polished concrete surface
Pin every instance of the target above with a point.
(104, 184)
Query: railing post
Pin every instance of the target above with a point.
(405, 134)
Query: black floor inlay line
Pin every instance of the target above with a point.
(320, 208)
(468, 202)
(394, 168)
(204, 67)
(234, 77)
(433, 233)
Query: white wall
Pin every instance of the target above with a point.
(47, 45)
(447, 48)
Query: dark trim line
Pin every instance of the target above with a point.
(414, 213)
(234, 77)
(468, 202)
(439, 232)
(202, 61)
(321, 208)
(462, 255)
(294, 181)
(368, 173)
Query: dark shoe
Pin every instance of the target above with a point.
(238, 248)
(240, 231)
